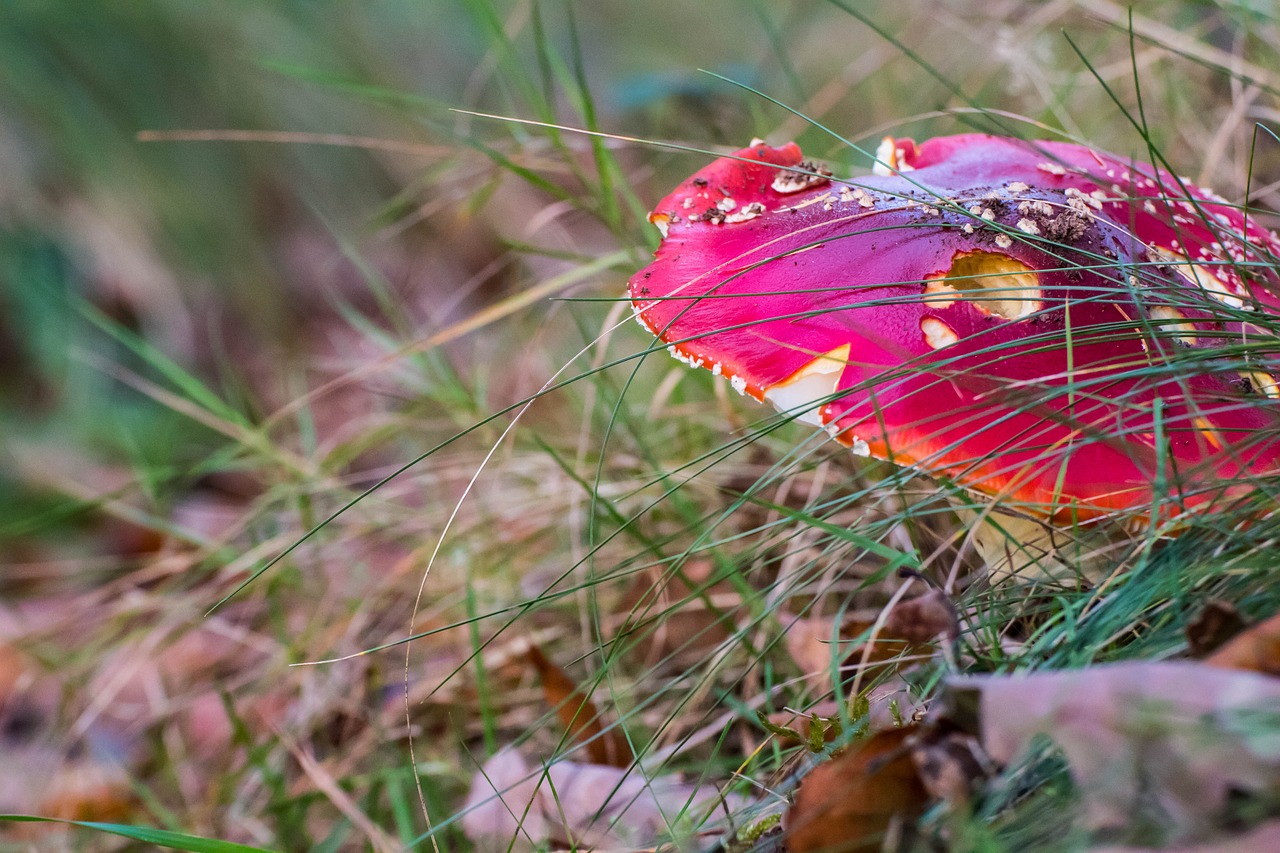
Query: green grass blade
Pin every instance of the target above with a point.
(148, 835)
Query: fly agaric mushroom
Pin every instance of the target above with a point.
(1035, 321)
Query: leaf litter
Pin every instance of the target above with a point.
(518, 802)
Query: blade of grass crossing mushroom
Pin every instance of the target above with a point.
(1124, 383)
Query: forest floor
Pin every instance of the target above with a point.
(336, 469)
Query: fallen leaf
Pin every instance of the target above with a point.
(1257, 840)
(1173, 740)
(921, 619)
(1257, 649)
(14, 669)
(83, 779)
(812, 643)
(87, 790)
(582, 722)
(858, 799)
(950, 764)
(516, 804)
(673, 618)
(812, 640)
(1215, 624)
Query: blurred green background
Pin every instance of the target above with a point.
(227, 256)
(230, 257)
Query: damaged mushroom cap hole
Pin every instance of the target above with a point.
(995, 284)
(937, 334)
(1260, 382)
(804, 392)
(1171, 322)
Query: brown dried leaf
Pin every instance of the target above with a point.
(516, 804)
(1173, 739)
(859, 798)
(950, 764)
(36, 775)
(667, 618)
(1264, 837)
(919, 620)
(578, 713)
(1215, 624)
(1257, 649)
(808, 640)
(14, 667)
(87, 790)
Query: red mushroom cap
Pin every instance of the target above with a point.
(1209, 241)
(1034, 320)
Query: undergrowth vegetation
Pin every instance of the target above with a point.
(331, 444)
